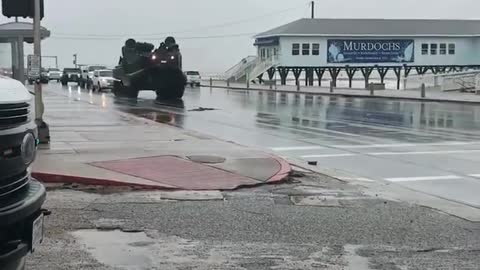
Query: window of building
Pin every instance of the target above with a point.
(315, 49)
(305, 49)
(262, 53)
(295, 49)
(424, 49)
(275, 51)
(451, 48)
(433, 49)
(443, 49)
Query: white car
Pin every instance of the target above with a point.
(87, 75)
(21, 214)
(54, 74)
(193, 78)
(102, 79)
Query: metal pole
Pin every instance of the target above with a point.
(43, 131)
(313, 9)
(275, 74)
(21, 60)
(331, 86)
(422, 90)
(14, 59)
(372, 89)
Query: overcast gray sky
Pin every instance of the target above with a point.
(96, 29)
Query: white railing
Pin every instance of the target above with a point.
(461, 81)
(455, 81)
(261, 66)
(239, 70)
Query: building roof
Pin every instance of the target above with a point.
(376, 27)
(23, 29)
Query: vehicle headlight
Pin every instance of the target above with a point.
(28, 149)
(172, 57)
(154, 57)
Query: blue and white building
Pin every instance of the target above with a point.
(310, 47)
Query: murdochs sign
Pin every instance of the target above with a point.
(370, 51)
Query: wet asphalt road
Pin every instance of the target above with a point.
(428, 147)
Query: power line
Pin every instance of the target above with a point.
(183, 31)
(154, 38)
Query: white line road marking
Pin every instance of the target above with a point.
(360, 179)
(423, 178)
(329, 155)
(394, 153)
(366, 146)
(474, 175)
(424, 152)
(295, 148)
(401, 145)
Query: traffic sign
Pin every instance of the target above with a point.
(21, 8)
(33, 66)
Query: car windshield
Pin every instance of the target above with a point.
(72, 70)
(93, 68)
(53, 69)
(106, 73)
(193, 73)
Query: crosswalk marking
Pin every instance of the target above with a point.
(393, 153)
(423, 178)
(296, 148)
(366, 146)
(328, 155)
(360, 179)
(424, 152)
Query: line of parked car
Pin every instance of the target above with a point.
(95, 77)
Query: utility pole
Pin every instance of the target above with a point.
(313, 9)
(43, 130)
(75, 60)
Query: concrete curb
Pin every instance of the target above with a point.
(279, 177)
(348, 95)
(89, 181)
(283, 173)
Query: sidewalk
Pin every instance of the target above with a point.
(97, 145)
(431, 95)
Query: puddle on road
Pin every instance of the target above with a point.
(118, 249)
(150, 250)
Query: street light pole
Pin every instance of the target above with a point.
(43, 130)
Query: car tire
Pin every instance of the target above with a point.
(120, 90)
(99, 89)
(19, 264)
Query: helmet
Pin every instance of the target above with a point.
(130, 43)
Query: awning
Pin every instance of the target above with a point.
(271, 41)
